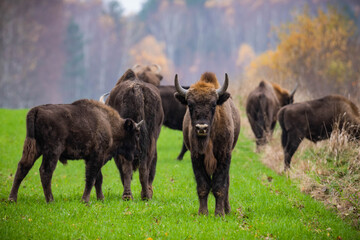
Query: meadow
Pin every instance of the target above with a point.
(265, 204)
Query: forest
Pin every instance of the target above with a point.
(62, 50)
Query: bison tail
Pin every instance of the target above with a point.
(30, 152)
(280, 118)
(30, 123)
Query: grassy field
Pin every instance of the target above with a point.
(265, 205)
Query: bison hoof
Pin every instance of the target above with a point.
(219, 213)
(203, 212)
(227, 209)
(100, 198)
(127, 197)
(12, 199)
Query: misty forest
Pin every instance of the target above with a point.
(62, 50)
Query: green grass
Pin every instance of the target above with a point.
(264, 204)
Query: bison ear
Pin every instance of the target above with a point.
(159, 76)
(180, 98)
(129, 125)
(222, 98)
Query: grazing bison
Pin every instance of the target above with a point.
(150, 74)
(211, 128)
(138, 100)
(262, 106)
(315, 121)
(85, 129)
(174, 112)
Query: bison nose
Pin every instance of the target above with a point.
(201, 129)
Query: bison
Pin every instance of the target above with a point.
(150, 74)
(211, 128)
(174, 112)
(262, 106)
(315, 121)
(85, 129)
(138, 100)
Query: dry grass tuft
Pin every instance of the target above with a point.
(328, 171)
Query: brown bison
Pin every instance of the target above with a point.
(174, 112)
(211, 128)
(138, 100)
(149, 73)
(315, 121)
(85, 129)
(262, 106)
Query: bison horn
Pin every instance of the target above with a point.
(158, 68)
(135, 67)
(294, 90)
(138, 125)
(103, 97)
(224, 87)
(178, 88)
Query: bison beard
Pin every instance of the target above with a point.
(211, 127)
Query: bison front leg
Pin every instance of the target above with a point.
(47, 168)
(126, 171)
(203, 182)
(226, 202)
(220, 188)
(98, 186)
(144, 180)
(93, 167)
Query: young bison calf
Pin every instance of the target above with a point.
(85, 129)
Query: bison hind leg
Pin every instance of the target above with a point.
(182, 153)
(47, 168)
(30, 155)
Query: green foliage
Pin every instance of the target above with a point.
(264, 205)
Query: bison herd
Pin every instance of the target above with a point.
(127, 125)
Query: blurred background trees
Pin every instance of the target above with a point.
(61, 50)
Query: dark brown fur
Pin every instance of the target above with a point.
(148, 74)
(174, 112)
(262, 106)
(210, 154)
(315, 121)
(138, 100)
(85, 129)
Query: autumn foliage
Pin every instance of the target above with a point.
(319, 52)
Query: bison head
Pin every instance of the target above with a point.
(202, 100)
(150, 74)
(130, 142)
(289, 99)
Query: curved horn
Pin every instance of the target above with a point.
(224, 87)
(158, 68)
(179, 88)
(138, 125)
(102, 98)
(294, 90)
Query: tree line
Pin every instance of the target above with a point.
(61, 50)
